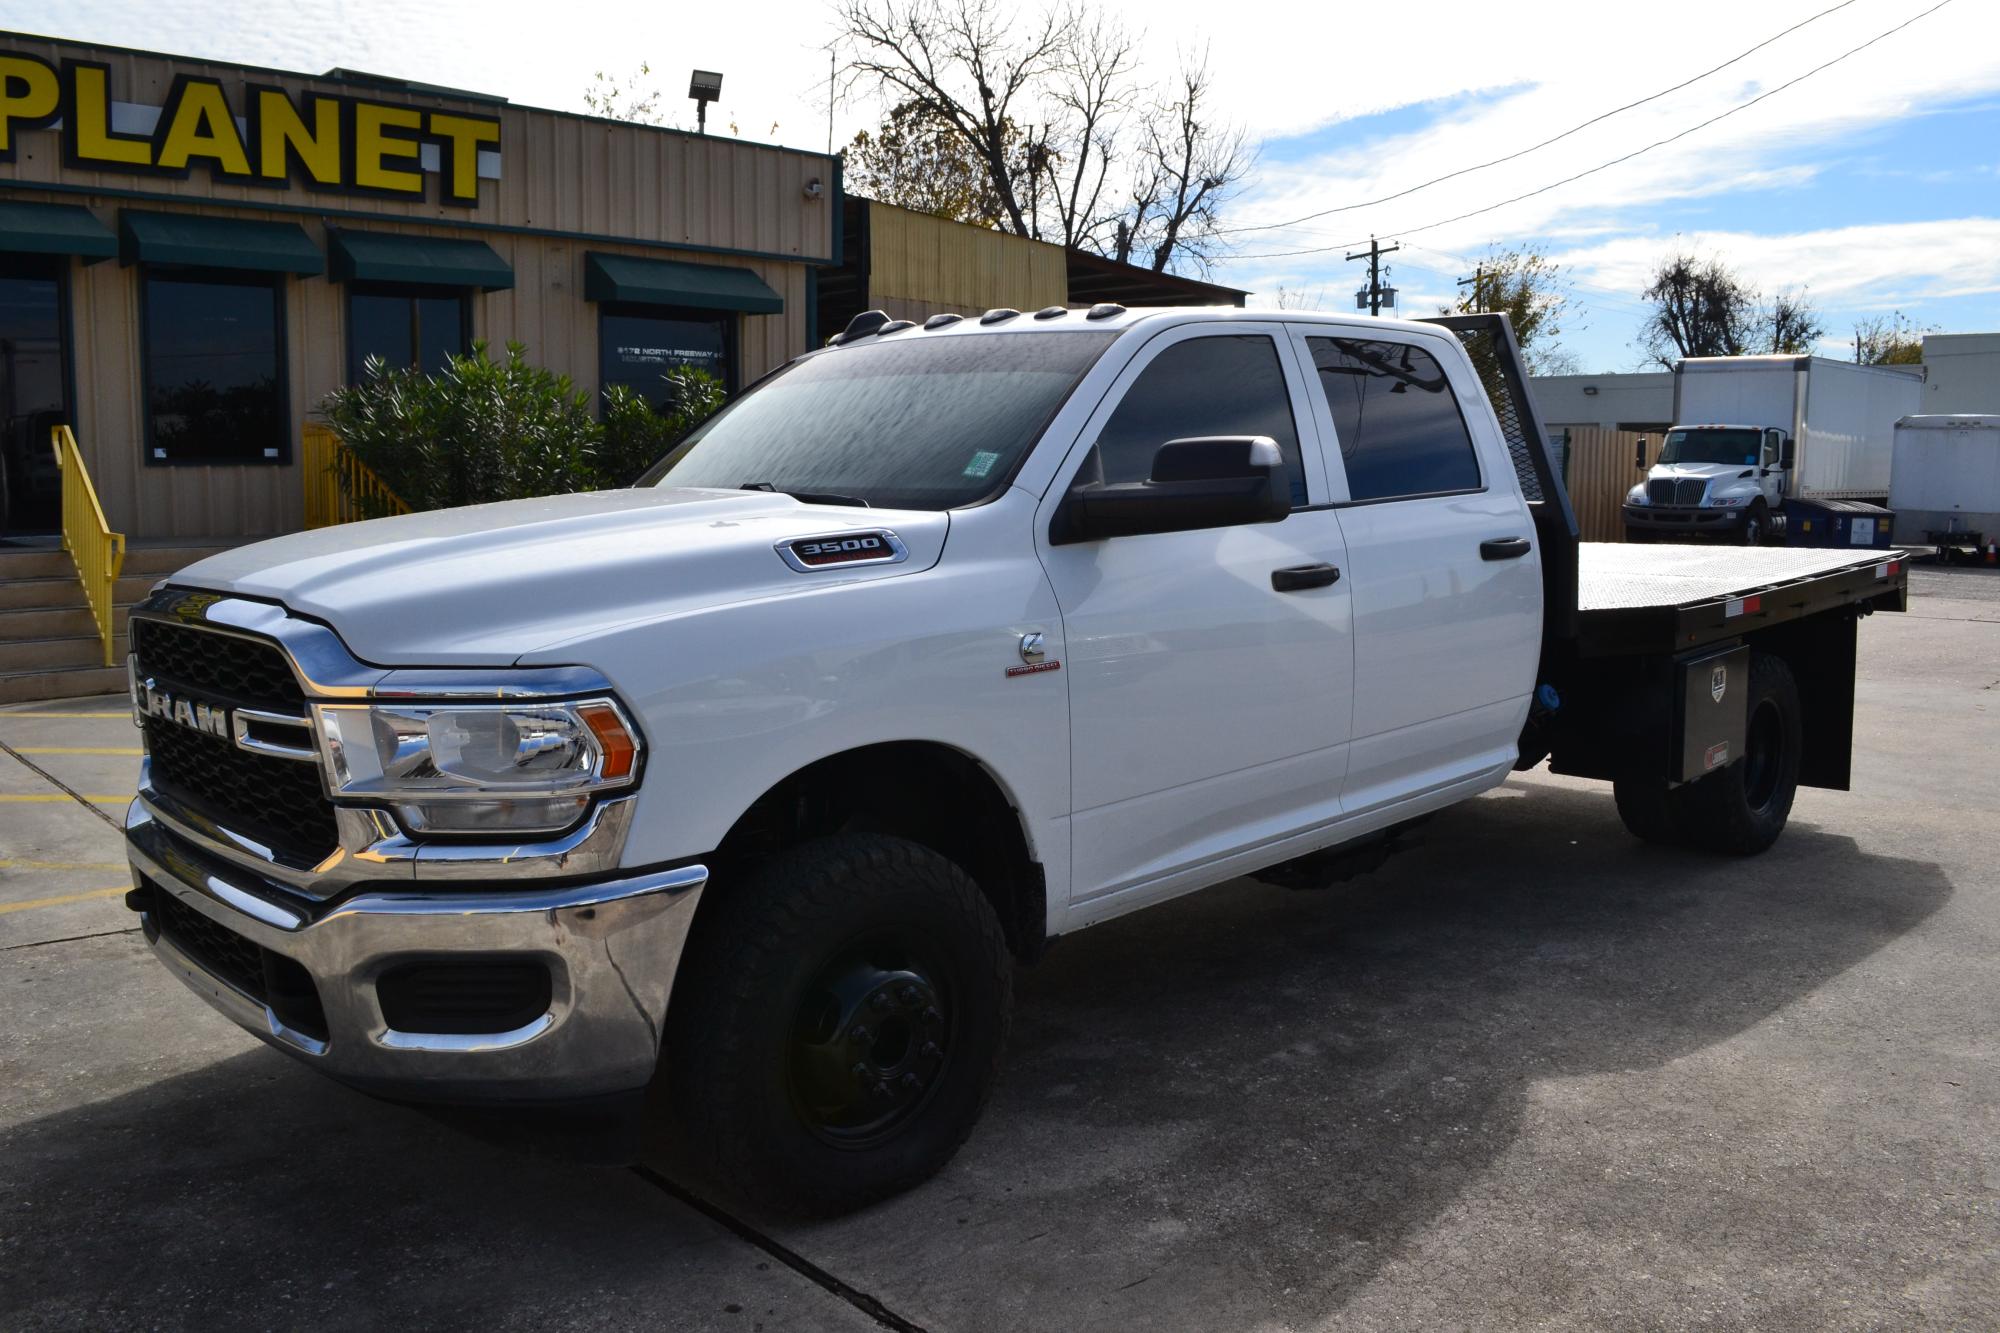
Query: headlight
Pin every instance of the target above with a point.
(1637, 495)
(477, 768)
(1728, 501)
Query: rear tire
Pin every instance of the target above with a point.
(1742, 809)
(839, 1024)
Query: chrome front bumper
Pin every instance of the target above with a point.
(612, 948)
(1665, 518)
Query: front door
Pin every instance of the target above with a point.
(1209, 711)
(34, 391)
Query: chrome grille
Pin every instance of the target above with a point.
(1676, 491)
(280, 803)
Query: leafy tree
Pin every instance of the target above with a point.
(636, 98)
(1889, 340)
(1528, 287)
(917, 160)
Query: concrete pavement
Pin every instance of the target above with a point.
(1531, 1073)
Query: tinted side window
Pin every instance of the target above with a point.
(1205, 386)
(1399, 426)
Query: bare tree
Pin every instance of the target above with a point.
(1299, 298)
(968, 62)
(1050, 103)
(1793, 322)
(1089, 91)
(1188, 166)
(1700, 308)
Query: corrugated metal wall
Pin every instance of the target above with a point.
(559, 172)
(1601, 471)
(919, 266)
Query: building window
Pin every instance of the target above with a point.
(638, 345)
(34, 389)
(214, 353)
(408, 327)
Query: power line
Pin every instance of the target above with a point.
(1616, 161)
(1534, 148)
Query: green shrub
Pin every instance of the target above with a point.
(505, 430)
(636, 436)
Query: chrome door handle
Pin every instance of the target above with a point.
(1297, 578)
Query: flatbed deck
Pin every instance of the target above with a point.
(1667, 598)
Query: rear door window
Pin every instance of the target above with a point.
(1400, 429)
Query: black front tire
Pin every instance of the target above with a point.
(1742, 809)
(1756, 529)
(839, 1021)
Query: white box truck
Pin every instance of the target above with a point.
(1753, 434)
(1945, 487)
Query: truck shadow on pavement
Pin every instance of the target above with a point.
(1233, 1110)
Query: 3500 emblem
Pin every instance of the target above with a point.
(874, 547)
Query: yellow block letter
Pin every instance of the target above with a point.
(462, 137)
(372, 145)
(195, 124)
(29, 93)
(91, 141)
(281, 131)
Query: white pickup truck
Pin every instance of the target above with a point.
(750, 785)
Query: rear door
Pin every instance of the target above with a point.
(1441, 562)
(1209, 710)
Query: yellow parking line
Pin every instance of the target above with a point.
(78, 749)
(52, 716)
(52, 797)
(33, 903)
(61, 865)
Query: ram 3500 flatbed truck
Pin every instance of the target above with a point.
(750, 785)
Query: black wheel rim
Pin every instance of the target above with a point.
(870, 1042)
(1763, 758)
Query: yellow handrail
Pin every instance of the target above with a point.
(340, 488)
(97, 551)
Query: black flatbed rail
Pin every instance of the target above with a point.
(1667, 599)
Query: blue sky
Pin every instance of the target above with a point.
(1875, 184)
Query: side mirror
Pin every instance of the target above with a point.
(1786, 455)
(1639, 454)
(1218, 481)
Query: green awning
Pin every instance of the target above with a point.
(206, 242)
(430, 261)
(54, 229)
(665, 282)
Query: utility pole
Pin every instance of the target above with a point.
(1478, 284)
(831, 69)
(1373, 254)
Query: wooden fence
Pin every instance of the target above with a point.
(1601, 467)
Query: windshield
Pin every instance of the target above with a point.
(929, 423)
(1736, 447)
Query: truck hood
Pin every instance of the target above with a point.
(1691, 471)
(488, 584)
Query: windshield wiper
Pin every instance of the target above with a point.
(806, 497)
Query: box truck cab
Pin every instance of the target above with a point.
(1758, 437)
